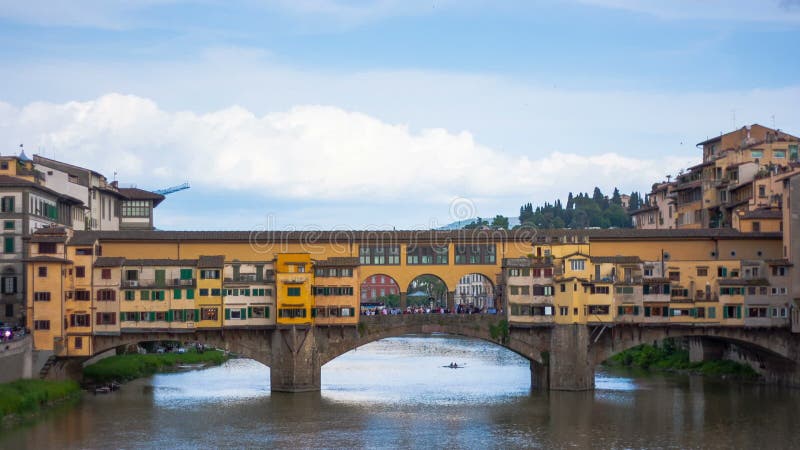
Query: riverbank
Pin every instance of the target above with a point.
(122, 368)
(22, 398)
(669, 357)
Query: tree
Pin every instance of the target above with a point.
(570, 201)
(478, 224)
(616, 199)
(500, 222)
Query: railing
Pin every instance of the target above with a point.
(250, 278)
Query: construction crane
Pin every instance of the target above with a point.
(172, 189)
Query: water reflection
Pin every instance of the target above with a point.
(394, 393)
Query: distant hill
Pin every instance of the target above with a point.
(512, 222)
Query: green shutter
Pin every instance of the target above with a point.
(724, 312)
(313, 312)
(244, 313)
(190, 294)
(739, 311)
(249, 312)
(266, 312)
(620, 310)
(169, 315)
(186, 274)
(665, 312)
(712, 312)
(197, 317)
(694, 312)
(176, 294)
(8, 245)
(647, 311)
(227, 314)
(145, 295)
(152, 317)
(635, 310)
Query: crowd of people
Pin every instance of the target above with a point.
(419, 309)
(10, 333)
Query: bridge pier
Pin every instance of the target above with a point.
(295, 365)
(569, 366)
(540, 378)
(702, 349)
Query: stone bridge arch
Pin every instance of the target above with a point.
(774, 353)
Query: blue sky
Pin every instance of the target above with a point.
(373, 114)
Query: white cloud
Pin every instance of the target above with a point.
(717, 10)
(307, 152)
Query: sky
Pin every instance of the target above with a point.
(380, 114)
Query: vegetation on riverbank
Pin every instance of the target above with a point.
(22, 397)
(669, 357)
(131, 366)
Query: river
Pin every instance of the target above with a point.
(395, 393)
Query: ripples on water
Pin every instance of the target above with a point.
(395, 393)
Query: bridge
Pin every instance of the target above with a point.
(562, 357)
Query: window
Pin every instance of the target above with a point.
(209, 274)
(292, 313)
(756, 226)
(215, 292)
(106, 295)
(83, 251)
(176, 294)
(577, 264)
(757, 311)
(190, 294)
(78, 343)
(674, 276)
(135, 208)
(600, 290)
(105, 274)
(722, 272)
(757, 153)
(563, 310)
(293, 292)
(625, 289)
(204, 292)
(106, 318)
(475, 254)
(47, 247)
(779, 153)
(793, 152)
(563, 287)
(778, 271)
(379, 255)
(8, 225)
(235, 313)
(130, 295)
(208, 313)
(260, 312)
(732, 312)
(9, 245)
(9, 285)
(7, 204)
(598, 309)
(702, 271)
(41, 324)
(82, 295)
(79, 320)
(80, 271)
(144, 295)
(426, 254)
(778, 291)
(132, 275)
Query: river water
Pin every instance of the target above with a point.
(395, 393)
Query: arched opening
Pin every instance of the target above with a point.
(427, 291)
(475, 291)
(379, 291)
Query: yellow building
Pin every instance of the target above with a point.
(528, 291)
(336, 291)
(209, 291)
(294, 280)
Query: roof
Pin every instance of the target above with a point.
(109, 261)
(43, 258)
(211, 262)
(778, 262)
(763, 213)
(66, 167)
(82, 239)
(9, 181)
(141, 194)
(160, 262)
(389, 236)
(616, 259)
(338, 261)
(49, 238)
(643, 209)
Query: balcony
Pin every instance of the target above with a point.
(250, 278)
(147, 284)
